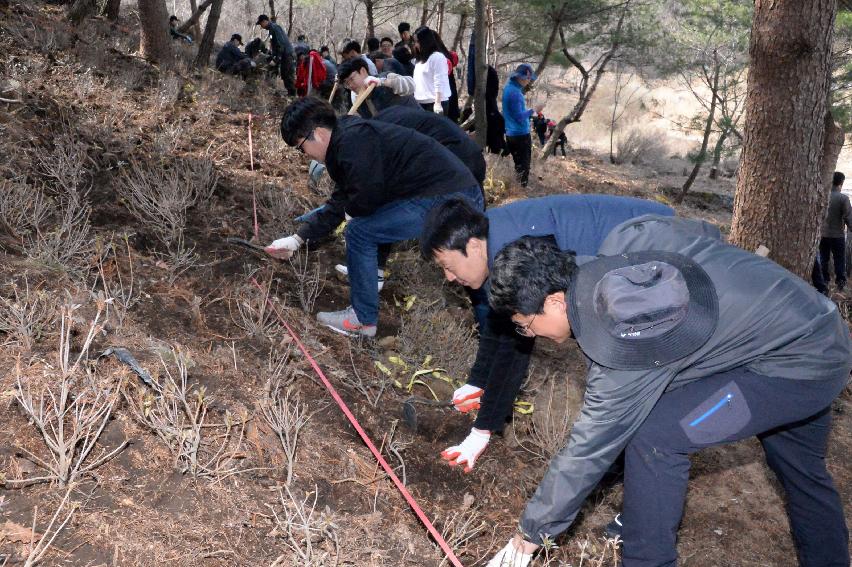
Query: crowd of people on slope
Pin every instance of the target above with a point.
(692, 343)
(417, 69)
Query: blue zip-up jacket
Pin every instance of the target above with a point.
(515, 111)
(577, 222)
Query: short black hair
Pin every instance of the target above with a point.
(352, 66)
(372, 43)
(301, 37)
(351, 46)
(402, 54)
(386, 39)
(172, 18)
(526, 271)
(303, 116)
(838, 179)
(403, 27)
(324, 48)
(450, 226)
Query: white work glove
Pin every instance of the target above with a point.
(437, 108)
(468, 451)
(467, 398)
(370, 80)
(283, 248)
(347, 217)
(510, 557)
(253, 64)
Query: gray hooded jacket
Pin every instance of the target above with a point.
(770, 321)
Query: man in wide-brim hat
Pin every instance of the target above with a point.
(692, 343)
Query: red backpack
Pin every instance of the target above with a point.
(316, 71)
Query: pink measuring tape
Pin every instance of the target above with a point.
(351, 417)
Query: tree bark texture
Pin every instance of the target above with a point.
(459, 37)
(196, 28)
(111, 9)
(193, 19)
(206, 46)
(154, 44)
(481, 74)
(371, 23)
(80, 10)
(780, 187)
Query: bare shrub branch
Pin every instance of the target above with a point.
(178, 413)
(548, 429)
(250, 311)
(51, 531)
(118, 287)
(310, 279)
(287, 416)
(70, 411)
(303, 531)
(26, 315)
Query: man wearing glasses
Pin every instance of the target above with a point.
(691, 344)
(463, 241)
(386, 179)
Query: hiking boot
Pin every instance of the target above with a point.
(343, 270)
(613, 529)
(345, 322)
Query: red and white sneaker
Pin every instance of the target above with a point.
(345, 322)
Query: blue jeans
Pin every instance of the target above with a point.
(394, 222)
(791, 419)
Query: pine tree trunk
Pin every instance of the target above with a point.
(206, 46)
(457, 40)
(196, 28)
(780, 188)
(441, 7)
(424, 14)
(192, 22)
(155, 44)
(290, 18)
(111, 9)
(80, 10)
(717, 155)
(481, 73)
(371, 25)
(708, 129)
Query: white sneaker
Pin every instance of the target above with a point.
(343, 270)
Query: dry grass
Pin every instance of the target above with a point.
(443, 339)
(546, 432)
(639, 146)
(311, 536)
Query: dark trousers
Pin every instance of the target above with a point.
(790, 417)
(816, 277)
(521, 149)
(836, 248)
(288, 71)
(560, 143)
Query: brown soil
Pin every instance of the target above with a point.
(139, 508)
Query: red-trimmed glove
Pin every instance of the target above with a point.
(467, 398)
(283, 248)
(468, 451)
(509, 556)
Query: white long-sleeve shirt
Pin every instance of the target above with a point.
(431, 77)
